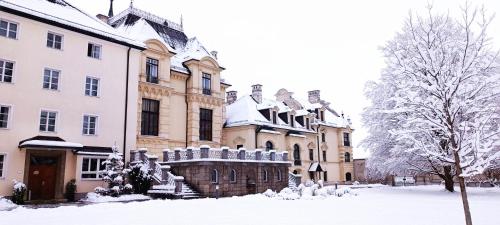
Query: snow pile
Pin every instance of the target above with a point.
(310, 191)
(97, 198)
(6, 204)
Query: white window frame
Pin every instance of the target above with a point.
(4, 166)
(54, 41)
(2, 72)
(50, 80)
(9, 116)
(90, 90)
(235, 176)
(98, 172)
(86, 133)
(216, 176)
(9, 22)
(93, 50)
(47, 124)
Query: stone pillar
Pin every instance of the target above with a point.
(204, 151)
(165, 155)
(258, 154)
(142, 154)
(177, 153)
(164, 174)
(285, 156)
(178, 184)
(189, 153)
(133, 153)
(272, 155)
(225, 152)
(242, 154)
(152, 164)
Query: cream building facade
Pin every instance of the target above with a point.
(317, 138)
(181, 93)
(65, 96)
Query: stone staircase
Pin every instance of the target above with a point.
(188, 192)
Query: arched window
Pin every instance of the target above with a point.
(296, 155)
(348, 177)
(214, 176)
(347, 157)
(264, 175)
(279, 175)
(269, 146)
(232, 176)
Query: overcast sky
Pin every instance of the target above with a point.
(301, 45)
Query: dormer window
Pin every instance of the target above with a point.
(322, 115)
(316, 111)
(207, 84)
(292, 120)
(275, 117)
(308, 124)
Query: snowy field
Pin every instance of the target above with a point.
(425, 205)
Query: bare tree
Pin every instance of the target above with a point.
(444, 97)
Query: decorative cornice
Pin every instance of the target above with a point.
(155, 89)
(207, 99)
(178, 76)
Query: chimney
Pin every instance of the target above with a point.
(214, 54)
(231, 97)
(110, 13)
(257, 93)
(314, 96)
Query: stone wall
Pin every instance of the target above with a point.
(249, 177)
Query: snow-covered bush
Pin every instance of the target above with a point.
(18, 192)
(6, 204)
(355, 183)
(288, 194)
(139, 178)
(309, 183)
(321, 183)
(269, 193)
(127, 189)
(113, 174)
(100, 190)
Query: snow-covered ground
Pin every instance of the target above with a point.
(425, 205)
(96, 198)
(6, 204)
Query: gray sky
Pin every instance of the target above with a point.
(330, 45)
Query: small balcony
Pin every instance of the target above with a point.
(207, 92)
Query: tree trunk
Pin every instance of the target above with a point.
(449, 184)
(463, 191)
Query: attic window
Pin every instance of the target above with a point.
(275, 119)
(292, 121)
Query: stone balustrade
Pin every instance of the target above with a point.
(224, 153)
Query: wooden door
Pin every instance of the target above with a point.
(42, 179)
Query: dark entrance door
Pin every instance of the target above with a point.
(42, 177)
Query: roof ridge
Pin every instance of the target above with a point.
(146, 15)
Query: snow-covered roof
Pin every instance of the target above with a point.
(61, 13)
(245, 111)
(142, 31)
(46, 143)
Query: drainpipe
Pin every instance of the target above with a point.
(126, 107)
(319, 156)
(187, 109)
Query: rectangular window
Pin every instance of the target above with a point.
(325, 178)
(4, 116)
(92, 168)
(8, 29)
(308, 124)
(323, 137)
(54, 41)
(48, 121)
(91, 86)
(2, 163)
(239, 146)
(6, 71)
(89, 125)
(311, 154)
(292, 121)
(322, 116)
(275, 119)
(205, 125)
(51, 79)
(152, 70)
(346, 140)
(94, 51)
(207, 84)
(324, 156)
(150, 117)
